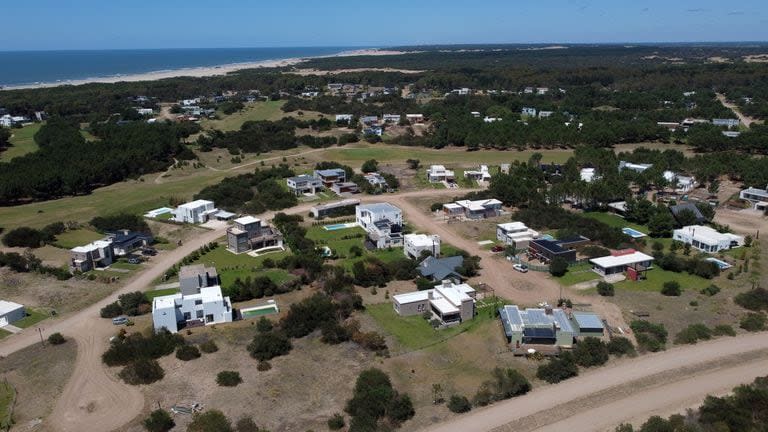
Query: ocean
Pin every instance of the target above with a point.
(38, 67)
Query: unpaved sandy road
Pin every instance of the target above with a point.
(731, 106)
(630, 390)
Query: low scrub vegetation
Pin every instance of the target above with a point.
(505, 384)
(228, 378)
(131, 304)
(650, 337)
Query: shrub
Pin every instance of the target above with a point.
(594, 251)
(754, 300)
(710, 290)
(558, 267)
(263, 325)
(266, 346)
(228, 378)
(483, 397)
(142, 371)
(620, 346)
(56, 339)
(246, 424)
(605, 289)
(25, 237)
(558, 369)
(590, 352)
(459, 404)
(723, 330)
(374, 398)
(263, 366)
(336, 422)
(210, 421)
(692, 334)
(111, 310)
(650, 337)
(187, 352)
(136, 346)
(159, 421)
(753, 321)
(671, 288)
(209, 347)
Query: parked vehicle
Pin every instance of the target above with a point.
(522, 268)
(121, 320)
(134, 260)
(497, 248)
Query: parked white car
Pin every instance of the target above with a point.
(522, 268)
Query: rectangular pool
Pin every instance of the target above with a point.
(720, 263)
(340, 226)
(632, 232)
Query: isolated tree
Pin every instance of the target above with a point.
(558, 267)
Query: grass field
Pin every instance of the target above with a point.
(615, 221)
(268, 110)
(384, 152)
(162, 292)
(656, 278)
(33, 317)
(7, 395)
(4, 333)
(577, 274)
(231, 266)
(78, 237)
(341, 246)
(23, 142)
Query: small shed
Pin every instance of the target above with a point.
(588, 324)
(11, 312)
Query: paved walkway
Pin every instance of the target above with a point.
(11, 328)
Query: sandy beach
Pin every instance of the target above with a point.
(202, 71)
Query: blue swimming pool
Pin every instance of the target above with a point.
(340, 226)
(632, 232)
(720, 263)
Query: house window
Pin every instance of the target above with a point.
(420, 308)
(198, 302)
(187, 316)
(199, 314)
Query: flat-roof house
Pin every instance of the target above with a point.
(481, 174)
(757, 197)
(304, 184)
(536, 326)
(634, 263)
(373, 131)
(475, 114)
(545, 114)
(415, 244)
(528, 111)
(515, 234)
(588, 175)
(344, 117)
(547, 250)
(330, 176)
(376, 180)
(478, 209)
(684, 207)
(250, 233)
(636, 167)
(488, 119)
(369, 120)
(96, 254)
(681, 183)
(438, 269)
(587, 324)
(11, 312)
(729, 123)
(383, 224)
(707, 239)
(341, 188)
(334, 208)
(198, 211)
(390, 118)
(542, 90)
(415, 118)
(176, 311)
(449, 302)
(126, 241)
(194, 277)
(731, 134)
(438, 173)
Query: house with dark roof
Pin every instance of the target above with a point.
(439, 269)
(547, 250)
(676, 209)
(125, 241)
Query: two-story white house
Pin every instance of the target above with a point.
(195, 212)
(515, 234)
(383, 224)
(707, 239)
(438, 173)
(177, 311)
(415, 244)
(304, 184)
(757, 197)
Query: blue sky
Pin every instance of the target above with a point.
(104, 24)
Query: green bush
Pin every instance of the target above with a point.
(187, 352)
(590, 351)
(754, 300)
(620, 346)
(209, 347)
(558, 369)
(374, 398)
(136, 346)
(692, 334)
(605, 289)
(459, 404)
(142, 371)
(710, 290)
(266, 346)
(210, 421)
(56, 339)
(228, 378)
(723, 330)
(263, 325)
(246, 424)
(671, 288)
(111, 310)
(558, 267)
(263, 366)
(159, 420)
(336, 422)
(650, 337)
(753, 321)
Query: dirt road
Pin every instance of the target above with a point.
(731, 106)
(630, 390)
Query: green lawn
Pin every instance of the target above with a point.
(22, 141)
(341, 246)
(125, 265)
(78, 237)
(231, 266)
(656, 278)
(263, 110)
(7, 394)
(33, 317)
(414, 332)
(577, 274)
(4, 333)
(163, 292)
(615, 221)
(388, 153)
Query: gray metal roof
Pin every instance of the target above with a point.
(587, 320)
(440, 268)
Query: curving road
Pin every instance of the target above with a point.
(630, 390)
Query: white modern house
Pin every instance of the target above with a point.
(757, 197)
(515, 234)
(707, 239)
(681, 183)
(545, 114)
(177, 311)
(449, 302)
(588, 175)
(344, 118)
(415, 118)
(415, 244)
(528, 112)
(630, 261)
(10, 312)
(473, 209)
(383, 224)
(481, 174)
(390, 118)
(195, 212)
(438, 173)
(304, 184)
(636, 167)
(98, 254)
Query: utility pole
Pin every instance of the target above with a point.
(42, 341)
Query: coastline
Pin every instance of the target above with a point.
(202, 71)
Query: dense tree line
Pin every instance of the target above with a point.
(252, 193)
